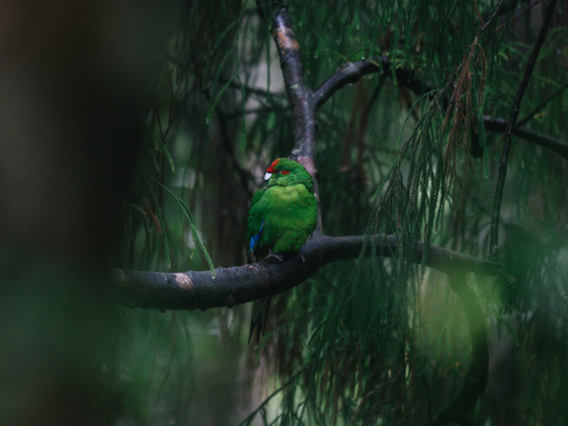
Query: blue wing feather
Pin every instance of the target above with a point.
(255, 239)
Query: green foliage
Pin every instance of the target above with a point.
(371, 341)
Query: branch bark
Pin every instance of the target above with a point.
(496, 124)
(241, 284)
(353, 71)
(301, 98)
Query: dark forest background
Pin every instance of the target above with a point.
(134, 135)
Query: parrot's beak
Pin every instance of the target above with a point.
(267, 176)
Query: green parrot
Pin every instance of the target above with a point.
(282, 216)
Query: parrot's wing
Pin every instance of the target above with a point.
(255, 222)
(254, 239)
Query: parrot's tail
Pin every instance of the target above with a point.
(259, 318)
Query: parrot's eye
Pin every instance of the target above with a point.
(285, 172)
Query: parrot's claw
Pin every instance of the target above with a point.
(274, 258)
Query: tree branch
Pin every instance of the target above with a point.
(291, 64)
(243, 175)
(496, 124)
(353, 71)
(240, 284)
(536, 110)
(503, 9)
(305, 103)
(494, 232)
(257, 91)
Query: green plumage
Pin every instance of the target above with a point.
(282, 216)
(286, 206)
(289, 215)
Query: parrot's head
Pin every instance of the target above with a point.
(284, 172)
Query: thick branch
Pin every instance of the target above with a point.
(496, 214)
(241, 284)
(353, 71)
(291, 64)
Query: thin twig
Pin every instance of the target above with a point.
(251, 111)
(494, 233)
(518, 15)
(294, 377)
(495, 124)
(244, 176)
(258, 91)
(504, 8)
(535, 111)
